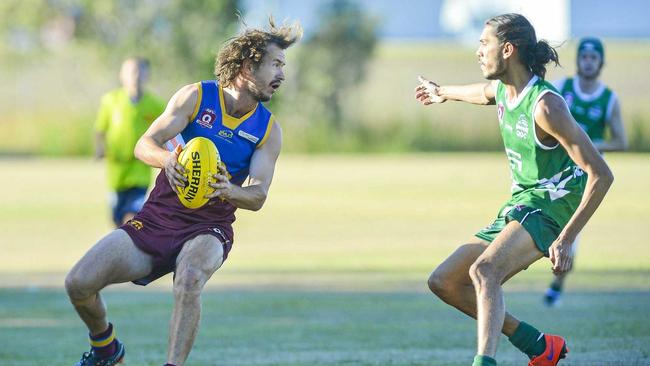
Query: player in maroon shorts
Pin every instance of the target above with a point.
(168, 237)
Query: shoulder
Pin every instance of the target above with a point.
(550, 107)
(153, 99)
(273, 132)
(187, 95)
(112, 96)
(550, 100)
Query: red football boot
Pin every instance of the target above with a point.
(556, 350)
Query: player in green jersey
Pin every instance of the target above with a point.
(124, 115)
(596, 109)
(558, 181)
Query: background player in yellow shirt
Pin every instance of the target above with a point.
(124, 115)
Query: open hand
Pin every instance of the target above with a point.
(427, 92)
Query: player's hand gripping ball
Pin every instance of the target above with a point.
(200, 159)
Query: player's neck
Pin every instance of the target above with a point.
(134, 93)
(515, 82)
(588, 85)
(238, 102)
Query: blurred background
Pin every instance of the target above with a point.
(372, 190)
(350, 80)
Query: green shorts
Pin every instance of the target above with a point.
(541, 228)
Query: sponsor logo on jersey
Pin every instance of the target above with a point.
(595, 112)
(514, 158)
(225, 134)
(207, 118)
(522, 127)
(248, 136)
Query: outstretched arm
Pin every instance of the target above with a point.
(429, 92)
(554, 118)
(252, 196)
(618, 140)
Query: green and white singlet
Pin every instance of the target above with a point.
(547, 185)
(591, 111)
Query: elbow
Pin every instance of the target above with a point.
(256, 206)
(259, 204)
(607, 178)
(138, 150)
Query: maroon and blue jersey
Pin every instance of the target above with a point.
(236, 140)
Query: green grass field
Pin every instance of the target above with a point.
(331, 272)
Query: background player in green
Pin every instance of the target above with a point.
(124, 115)
(552, 197)
(596, 109)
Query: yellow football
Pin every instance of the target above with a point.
(200, 158)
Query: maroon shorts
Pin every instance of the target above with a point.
(164, 244)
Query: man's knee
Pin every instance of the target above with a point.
(483, 272)
(441, 284)
(78, 287)
(189, 282)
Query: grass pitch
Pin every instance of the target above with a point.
(331, 272)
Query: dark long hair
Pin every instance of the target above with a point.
(516, 29)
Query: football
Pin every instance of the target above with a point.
(200, 159)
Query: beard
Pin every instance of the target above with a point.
(499, 70)
(258, 95)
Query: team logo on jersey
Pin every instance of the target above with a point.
(500, 110)
(595, 112)
(568, 98)
(207, 118)
(522, 127)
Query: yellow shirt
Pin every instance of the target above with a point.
(123, 122)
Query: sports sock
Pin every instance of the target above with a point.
(480, 360)
(104, 344)
(556, 287)
(528, 340)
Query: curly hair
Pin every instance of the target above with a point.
(252, 45)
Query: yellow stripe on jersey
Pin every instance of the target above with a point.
(269, 126)
(198, 101)
(228, 120)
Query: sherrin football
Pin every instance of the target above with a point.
(200, 159)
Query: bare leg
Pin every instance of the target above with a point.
(113, 259)
(197, 261)
(511, 251)
(452, 284)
